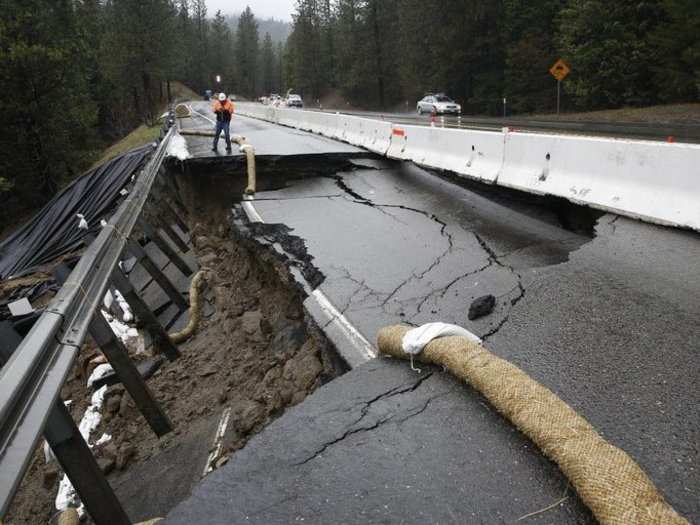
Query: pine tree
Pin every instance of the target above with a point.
(247, 53)
(529, 31)
(609, 47)
(269, 62)
(677, 39)
(221, 46)
(45, 100)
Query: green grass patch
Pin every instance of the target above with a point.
(181, 92)
(678, 114)
(139, 137)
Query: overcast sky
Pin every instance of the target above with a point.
(280, 9)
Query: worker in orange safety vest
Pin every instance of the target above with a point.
(224, 109)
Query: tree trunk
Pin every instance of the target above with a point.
(378, 50)
(148, 113)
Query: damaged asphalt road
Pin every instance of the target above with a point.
(400, 245)
(604, 313)
(384, 445)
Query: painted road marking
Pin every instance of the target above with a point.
(363, 348)
(218, 442)
(358, 341)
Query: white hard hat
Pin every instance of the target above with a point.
(222, 96)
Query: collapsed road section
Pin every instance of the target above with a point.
(254, 353)
(599, 309)
(279, 400)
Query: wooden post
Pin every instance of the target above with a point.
(159, 277)
(117, 355)
(164, 247)
(79, 464)
(160, 337)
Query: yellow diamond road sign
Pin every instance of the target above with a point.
(560, 70)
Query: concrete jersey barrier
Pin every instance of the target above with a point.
(476, 154)
(654, 181)
(374, 135)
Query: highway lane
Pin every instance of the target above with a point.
(609, 322)
(268, 140)
(638, 130)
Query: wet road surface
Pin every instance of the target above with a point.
(607, 321)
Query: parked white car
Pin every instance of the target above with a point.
(439, 104)
(294, 101)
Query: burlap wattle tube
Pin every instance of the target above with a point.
(196, 300)
(608, 481)
(183, 111)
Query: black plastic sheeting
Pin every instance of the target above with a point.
(54, 231)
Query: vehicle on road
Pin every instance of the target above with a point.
(294, 101)
(439, 104)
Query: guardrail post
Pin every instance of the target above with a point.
(159, 277)
(118, 356)
(171, 254)
(165, 200)
(71, 451)
(79, 464)
(170, 210)
(177, 240)
(160, 337)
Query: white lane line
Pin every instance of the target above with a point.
(351, 333)
(218, 442)
(202, 115)
(250, 211)
(363, 347)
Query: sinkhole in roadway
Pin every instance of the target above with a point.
(259, 352)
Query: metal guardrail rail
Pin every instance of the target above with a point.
(32, 378)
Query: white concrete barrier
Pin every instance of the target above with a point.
(330, 126)
(374, 135)
(655, 181)
(251, 110)
(475, 154)
(288, 117)
(306, 123)
(318, 122)
(397, 142)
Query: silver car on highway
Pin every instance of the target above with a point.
(439, 104)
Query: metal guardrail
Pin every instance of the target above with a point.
(31, 381)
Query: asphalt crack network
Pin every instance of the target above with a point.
(359, 199)
(494, 259)
(353, 427)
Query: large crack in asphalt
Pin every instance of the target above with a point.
(494, 259)
(359, 199)
(295, 246)
(365, 408)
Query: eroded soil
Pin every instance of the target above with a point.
(255, 353)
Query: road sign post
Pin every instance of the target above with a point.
(558, 96)
(560, 70)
